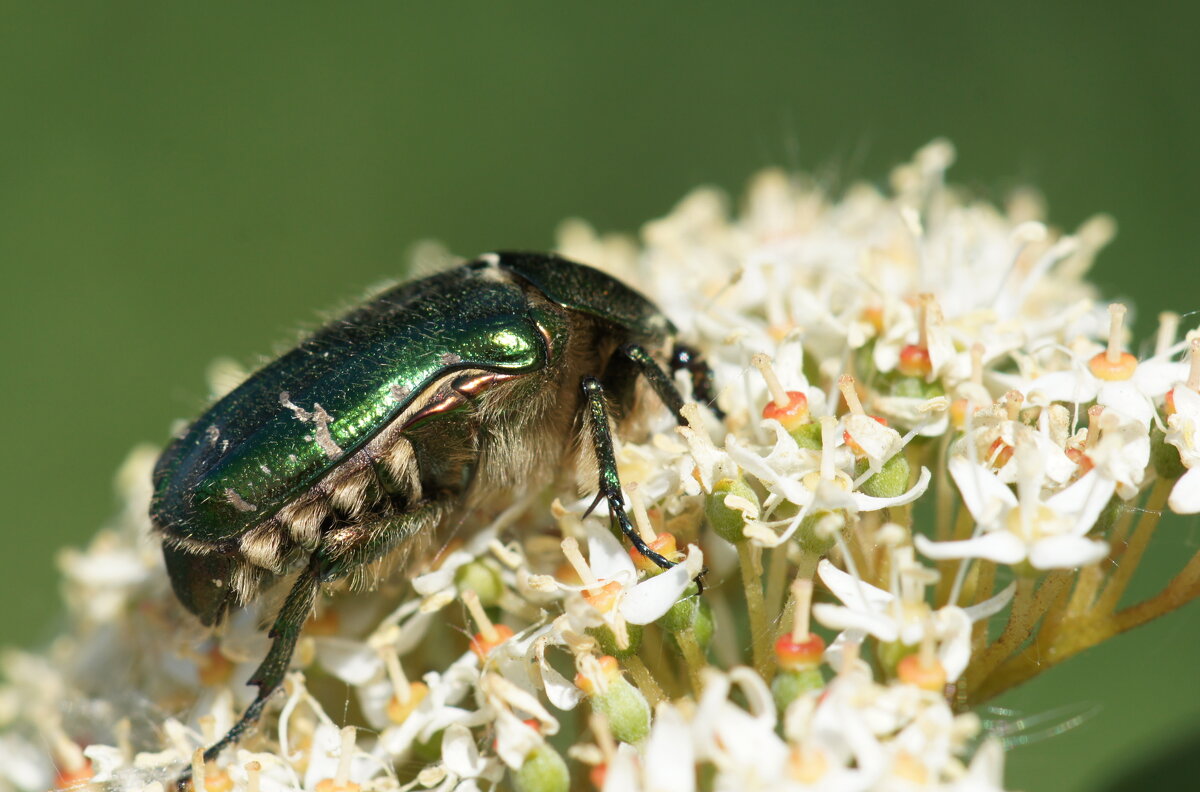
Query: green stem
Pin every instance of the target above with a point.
(755, 608)
(1111, 596)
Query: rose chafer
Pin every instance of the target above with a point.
(399, 418)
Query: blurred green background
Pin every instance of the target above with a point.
(182, 181)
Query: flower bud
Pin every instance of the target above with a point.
(808, 435)
(891, 481)
(607, 640)
(624, 706)
(725, 520)
(787, 686)
(682, 615)
(482, 578)
(543, 771)
(1165, 456)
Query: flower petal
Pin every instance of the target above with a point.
(1066, 552)
(607, 558)
(652, 598)
(984, 494)
(990, 607)
(999, 546)
(1185, 495)
(850, 590)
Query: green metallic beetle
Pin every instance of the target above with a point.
(394, 421)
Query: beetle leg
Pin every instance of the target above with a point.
(688, 358)
(606, 461)
(683, 357)
(341, 552)
(271, 671)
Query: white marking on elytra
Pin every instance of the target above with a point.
(238, 502)
(320, 419)
(492, 259)
(450, 359)
(212, 433)
(265, 469)
(399, 392)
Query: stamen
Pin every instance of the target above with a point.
(486, 628)
(850, 394)
(341, 778)
(1093, 430)
(198, 771)
(802, 589)
(1168, 328)
(1116, 313)
(1012, 404)
(828, 438)
(253, 773)
(570, 548)
(925, 301)
(1193, 380)
(641, 519)
(778, 393)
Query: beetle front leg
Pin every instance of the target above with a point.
(682, 358)
(606, 462)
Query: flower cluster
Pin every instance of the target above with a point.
(937, 459)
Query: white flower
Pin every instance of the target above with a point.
(1183, 432)
(811, 480)
(636, 602)
(1049, 533)
(904, 618)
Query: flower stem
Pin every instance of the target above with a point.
(1127, 565)
(752, 584)
(644, 680)
(1020, 622)
(693, 656)
(776, 579)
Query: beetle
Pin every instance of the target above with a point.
(392, 422)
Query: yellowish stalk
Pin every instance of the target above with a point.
(1111, 596)
(777, 579)
(760, 635)
(1085, 634)
(693, 657)
(644, 680)
(1020, 622)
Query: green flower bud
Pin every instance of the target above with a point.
(900, 386)
(808, 435)
(626, 708)
(543, 771)
(608, 640)
(787, 686)
(682, 614)
(1164, 456)
(814, 533)
(482, 578)
(703, 626)
(891, 480)
(725, 520)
